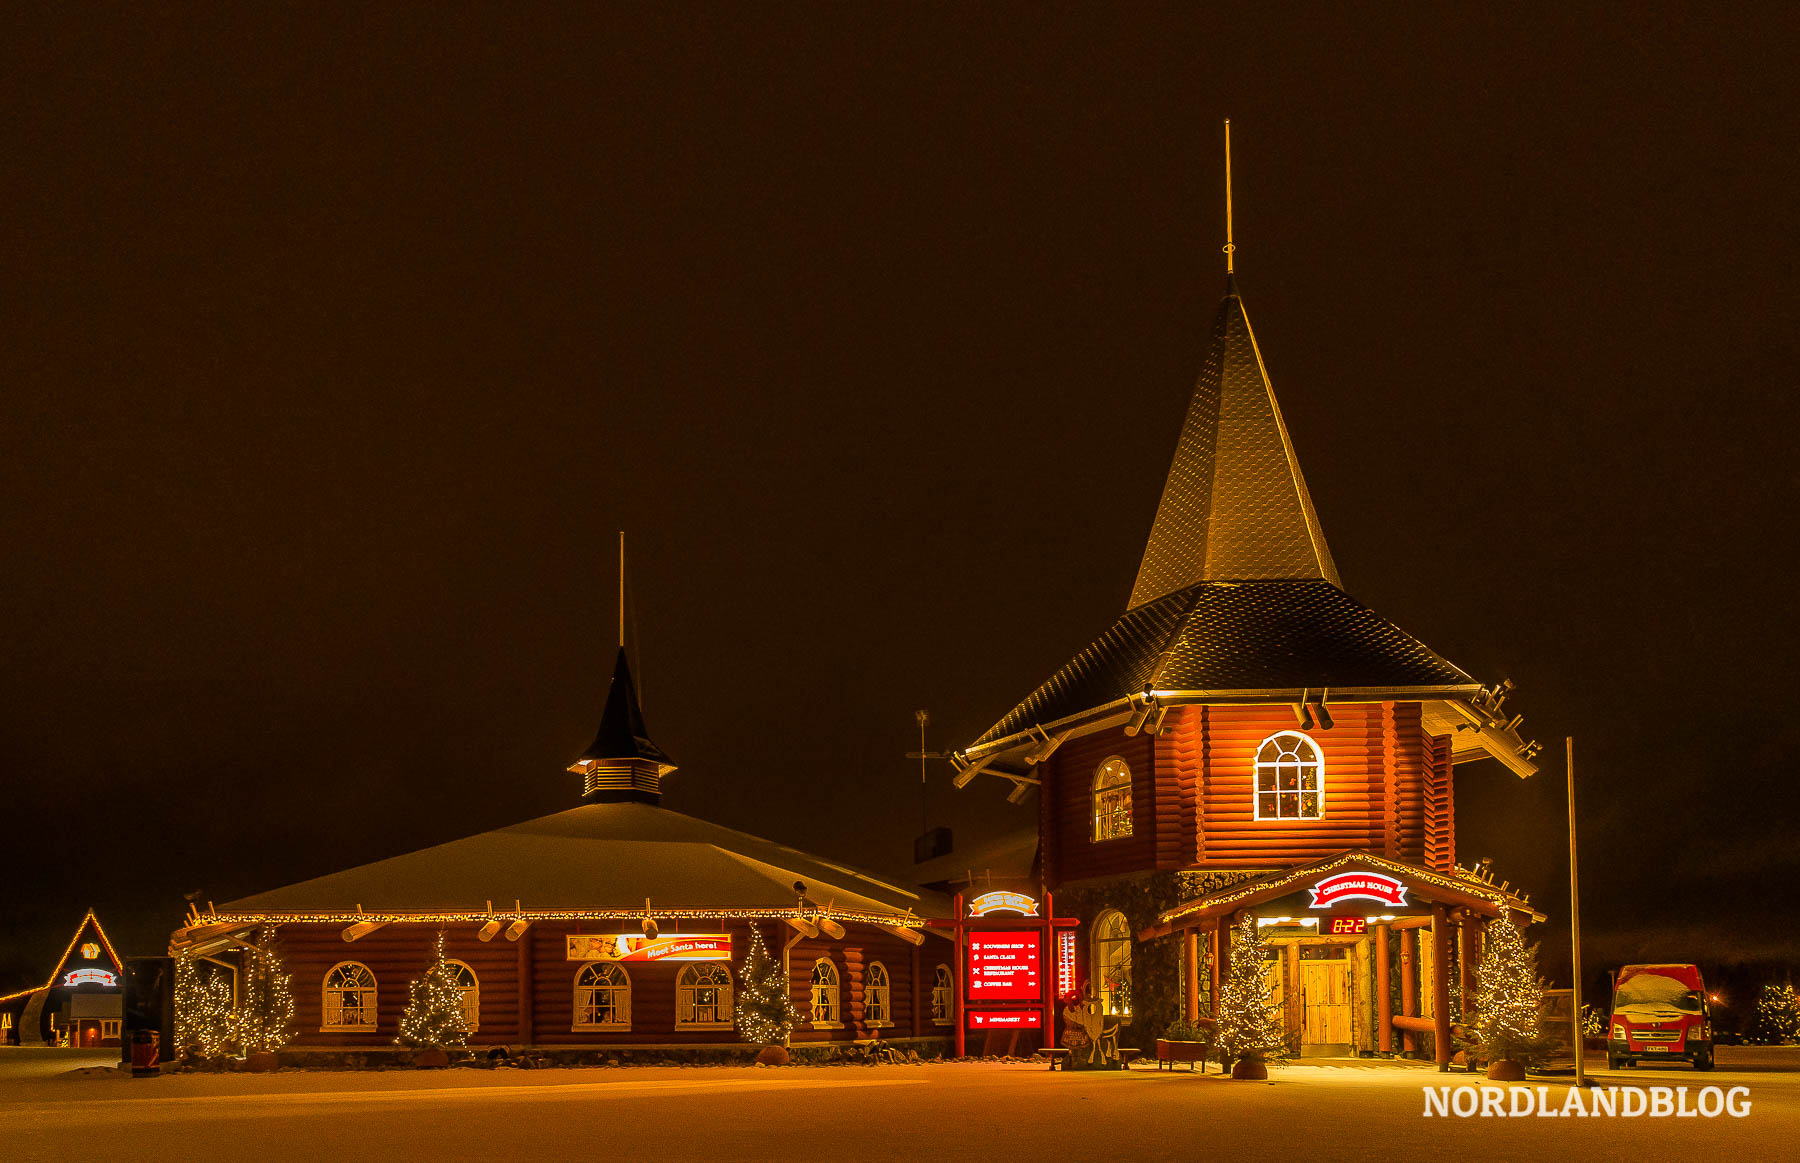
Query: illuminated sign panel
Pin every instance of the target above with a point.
(1366, 886)
(636, 947)
(90, 951)
(1006, 1020)
(90, 977)
(1005, 966)
(1346, 926)
(1003, 902)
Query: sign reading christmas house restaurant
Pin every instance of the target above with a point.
(1344, 886)
(633, 947)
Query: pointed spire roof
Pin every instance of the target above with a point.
(1235, 506)
(622, 752)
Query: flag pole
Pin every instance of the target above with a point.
(1575, 918)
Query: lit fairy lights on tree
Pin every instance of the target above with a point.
(765, 1012)
(1777, 1016)
(1250, 1022)
(265, 1012)
(203, 1008)
(434, 1009)
(1509, 998)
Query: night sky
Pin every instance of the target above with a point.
(338, 342)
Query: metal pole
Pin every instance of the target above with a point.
(1575, 918)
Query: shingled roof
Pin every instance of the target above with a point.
(1236, 636)
(1235, 504)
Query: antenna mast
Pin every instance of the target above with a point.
(1230, 248)
(621, 589)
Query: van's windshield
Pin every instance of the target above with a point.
(1654, 997)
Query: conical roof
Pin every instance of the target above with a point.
(1235, 506)
(622, 733)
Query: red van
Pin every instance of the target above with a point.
(1659, 1014)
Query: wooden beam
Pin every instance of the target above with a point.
(1468, 949)
(1190, 954)
(1384, 1003)
(910, 936)
(1440, 986)
(803, 926)
(360, 930)
(1409, 984)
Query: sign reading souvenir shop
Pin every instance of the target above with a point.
(1017, 958)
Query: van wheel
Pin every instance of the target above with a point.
(1703, 1061)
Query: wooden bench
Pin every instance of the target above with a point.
(1126, 1055)
(1059, 1056)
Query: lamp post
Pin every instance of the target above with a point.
(1575, 918)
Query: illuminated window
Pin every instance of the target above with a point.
(825, 993)
(602, 997)
(875, 995)
(465, 980)
(1112, 962)
(1112, 800)
(943, 996)
(1290, 778)
(109, 1027)
(6, 1022)
(349, 996)
(703, 996)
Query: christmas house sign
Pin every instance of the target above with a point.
(1370, 886)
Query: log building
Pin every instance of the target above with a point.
(615, 924)
(1244, 732)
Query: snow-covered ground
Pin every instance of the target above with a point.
(983, 1111)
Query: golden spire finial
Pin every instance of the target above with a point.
(1230, 248)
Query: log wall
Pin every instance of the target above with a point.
(397, 954)
(1387, 789)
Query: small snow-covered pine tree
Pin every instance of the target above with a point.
(1777, 1017)
(1250, 1022)
(265, 1012)
(1508, 998)
(433, 1018)
(765, 1012)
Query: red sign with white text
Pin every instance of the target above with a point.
(1005, 966)
(1006, 1020)
(1369, 886)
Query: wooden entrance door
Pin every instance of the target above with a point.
(1325, 1002)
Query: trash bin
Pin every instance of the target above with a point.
(144, 1053)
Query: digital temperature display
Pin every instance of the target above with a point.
(1346, 926)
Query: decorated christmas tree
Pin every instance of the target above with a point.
(765, 1012)
(1509, 998)
(1251, 1028)
(203, 1010)
(265, 1012)
(433, 1018)
(1777, 1017)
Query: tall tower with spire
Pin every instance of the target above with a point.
(622, 763)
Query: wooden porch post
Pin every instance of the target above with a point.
(1384, 1006)
(1221, 960)
(1440, 985)
(525, 1001)
(1190, 954)
(1409, 985)
(1468, 948)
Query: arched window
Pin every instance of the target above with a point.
(943, 996)
(465, 980)
(602, 997)
(703, 996)
(349, 997)
(1112, 962)
(875, 996)
(1112, 800)
(1290, 778)
(825, 993)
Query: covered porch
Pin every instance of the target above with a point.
(1367, 954)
